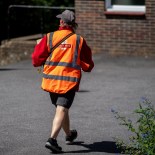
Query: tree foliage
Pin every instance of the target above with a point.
(24, 21)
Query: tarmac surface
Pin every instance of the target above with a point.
(26, 112)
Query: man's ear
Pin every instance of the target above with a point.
(61, 21)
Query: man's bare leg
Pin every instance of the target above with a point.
(58, 120)
(66, 124)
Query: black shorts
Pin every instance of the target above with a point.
(64, 100)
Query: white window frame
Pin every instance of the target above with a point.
(124, 8)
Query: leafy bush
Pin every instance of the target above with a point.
(142, 139)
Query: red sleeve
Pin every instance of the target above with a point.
(40, 53)
(87, 63)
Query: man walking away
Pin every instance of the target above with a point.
(62, 72)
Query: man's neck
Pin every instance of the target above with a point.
(66, 28)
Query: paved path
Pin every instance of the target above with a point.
(26, 112)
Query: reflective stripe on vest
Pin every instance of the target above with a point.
(50, 44)
(65, 78)
(65, 64)
(50, 39)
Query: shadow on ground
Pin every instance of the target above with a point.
(83, 91)
(103, 146)
(12, 69)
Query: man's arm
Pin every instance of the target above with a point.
(87, 63)
(40, 53)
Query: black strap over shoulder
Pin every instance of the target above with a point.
(54, 47)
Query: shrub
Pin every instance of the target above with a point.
(142, 139)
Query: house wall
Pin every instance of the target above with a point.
(116, 34)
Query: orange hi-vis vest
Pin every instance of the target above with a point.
(62, 70)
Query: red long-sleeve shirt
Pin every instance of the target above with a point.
(41, 53)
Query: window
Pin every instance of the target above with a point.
(125, 6)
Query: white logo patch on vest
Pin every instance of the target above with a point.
(64, 45)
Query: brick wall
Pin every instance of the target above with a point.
(116, 34)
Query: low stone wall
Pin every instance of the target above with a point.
(17, 49)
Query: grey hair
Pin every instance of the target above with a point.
(73, 25)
